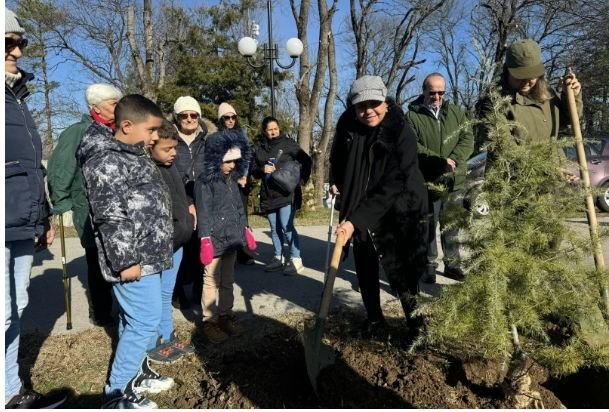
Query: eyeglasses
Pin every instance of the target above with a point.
(11, 44)
(437, 93)
(229, 117)
(184, 116)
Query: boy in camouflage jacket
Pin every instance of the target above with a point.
(131, 215)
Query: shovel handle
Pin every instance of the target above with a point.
(326, 297)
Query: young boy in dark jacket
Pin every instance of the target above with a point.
(168, 348)
(222, 226)
(131, 216)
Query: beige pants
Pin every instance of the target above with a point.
(218, 277)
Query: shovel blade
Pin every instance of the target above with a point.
(317, 354)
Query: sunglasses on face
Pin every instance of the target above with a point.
(437, 93)
(11, 44)
(229, 117)
(184, 116)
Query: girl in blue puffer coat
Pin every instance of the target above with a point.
(222, 228)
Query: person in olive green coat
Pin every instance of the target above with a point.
(67, 192)
(445, 142)
(540, 111)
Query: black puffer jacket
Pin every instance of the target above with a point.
(26, 209)
(390, 203)
(271, 196)
(220, 213)
(183, 221)
(130, 204)
(189, 159)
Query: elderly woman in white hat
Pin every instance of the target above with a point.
(67, 192)
(189, 159)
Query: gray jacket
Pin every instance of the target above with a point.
(130, 204)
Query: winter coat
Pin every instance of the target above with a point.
(26, 208)
(189, 159)
(448, 137)
(66, 184)
(392, 209)
(220, 213)
(183, 221)
(271, 196)
(540, 121)
(130, 204)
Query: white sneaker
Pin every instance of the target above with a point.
(150, 381)
(294, 267)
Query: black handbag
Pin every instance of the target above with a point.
(287, 175)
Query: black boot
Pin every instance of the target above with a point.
(413, 323)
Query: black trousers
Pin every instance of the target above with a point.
(100, 291)
(405, 282)
(190, 271)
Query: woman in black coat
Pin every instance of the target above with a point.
(383, 199)
(280, 206)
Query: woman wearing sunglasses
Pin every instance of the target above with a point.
(26, 224)
(189, 159)
(228, 119)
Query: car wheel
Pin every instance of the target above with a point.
(480, 206)
(603, 199)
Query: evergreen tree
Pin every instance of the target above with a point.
(526, 293)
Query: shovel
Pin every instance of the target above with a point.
(317, 354)
(332, 201)
(66, 280)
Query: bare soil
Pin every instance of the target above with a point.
(265, 368)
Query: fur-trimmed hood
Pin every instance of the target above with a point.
(216, 147)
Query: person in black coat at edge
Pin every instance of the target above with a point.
(383, 200)
(278, 205)
(189, 160)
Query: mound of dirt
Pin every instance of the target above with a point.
(265, 368)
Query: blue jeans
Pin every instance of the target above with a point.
(19, 256)
(168, 281)
(139, 320)
(282, 227)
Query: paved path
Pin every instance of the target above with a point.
(256, 291)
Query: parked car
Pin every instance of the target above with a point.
(597, 159)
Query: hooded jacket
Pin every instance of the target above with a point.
(390, 204)
(130, 204)
(26, 208)
(220, 213)
(66, 184)
(449, 136)
(271, 196)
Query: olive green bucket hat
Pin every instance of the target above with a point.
(523, 60)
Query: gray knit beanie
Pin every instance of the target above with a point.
(11, 23)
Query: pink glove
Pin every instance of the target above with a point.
(207, 251)
(249, 239)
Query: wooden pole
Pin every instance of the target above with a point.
(590, 209)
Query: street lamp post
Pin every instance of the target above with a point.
(247, 47)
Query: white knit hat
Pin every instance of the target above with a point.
(100, 92)
(11, 23)
(234, 153)
(225, 109)
(185, 103)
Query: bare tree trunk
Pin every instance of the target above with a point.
(144, 69)
(326, 134)
(48, 112)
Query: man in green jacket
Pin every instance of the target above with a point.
(445, 142)
(67, 192)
